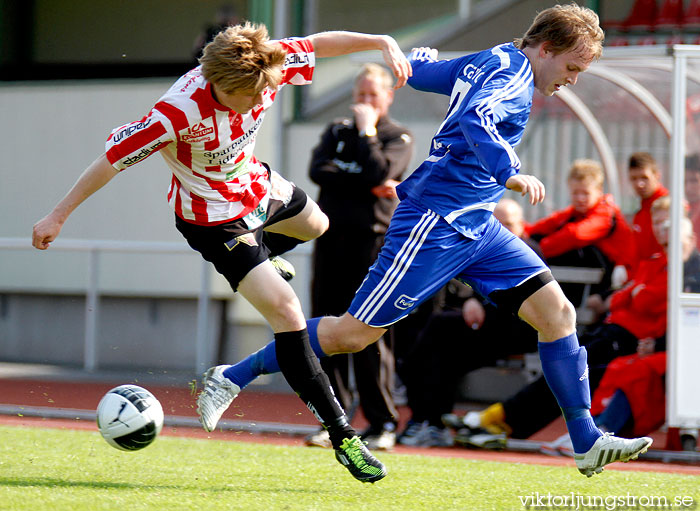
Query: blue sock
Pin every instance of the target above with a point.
(566, 371)
(264, 361)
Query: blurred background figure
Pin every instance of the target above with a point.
(692, 192)
(631, 397)
(635, 320)
(226, 15)
(357, 164)
(645, 178)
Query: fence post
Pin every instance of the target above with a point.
(202, 358)
(91, 311)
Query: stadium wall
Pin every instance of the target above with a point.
(148, 304)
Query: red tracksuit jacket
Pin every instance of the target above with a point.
(602, 226)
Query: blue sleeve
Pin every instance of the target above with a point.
(432, 75)
(505, 97)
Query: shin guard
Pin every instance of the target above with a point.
(565, 367)
(303, 372)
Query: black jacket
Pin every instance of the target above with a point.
(347, 167)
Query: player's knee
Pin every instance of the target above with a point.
(348, 335)
(549, 312)
(315, 225)
(284, 314)
(561, 319)
(320, 224)
(567, 315)
(345, 342)
(357, 342)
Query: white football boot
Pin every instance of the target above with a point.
(216, 397)
(607, 449)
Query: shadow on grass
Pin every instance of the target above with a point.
(50, 482)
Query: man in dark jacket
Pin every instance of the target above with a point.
(357, 164)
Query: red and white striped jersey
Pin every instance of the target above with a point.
(208, 147)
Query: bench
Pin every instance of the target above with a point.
(576, 275)
(489, 384)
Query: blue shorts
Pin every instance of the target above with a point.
(422, 252)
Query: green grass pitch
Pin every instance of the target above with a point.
(56, 469)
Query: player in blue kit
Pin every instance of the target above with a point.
(444, 227)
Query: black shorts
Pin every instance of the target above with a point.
(234, 248)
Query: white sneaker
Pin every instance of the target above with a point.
(423, 434)
(415, 434)
(472, 420)
(216, 397)
(609, 448)
(562, 446)
(439, 437)
(385, 441)
(319, 439)
(481, 439)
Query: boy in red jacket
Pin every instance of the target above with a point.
(591, 232)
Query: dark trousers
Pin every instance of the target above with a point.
(341, 260)
(447, 349)
(535, 406)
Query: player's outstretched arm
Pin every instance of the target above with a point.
(98, 174)
(335, 43)
(527, 185)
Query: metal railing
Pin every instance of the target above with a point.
(94, 248)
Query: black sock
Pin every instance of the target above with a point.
(279, 243)
(303, 372)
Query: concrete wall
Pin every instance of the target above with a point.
(49, 134)
(136, 333)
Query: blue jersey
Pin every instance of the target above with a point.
(471, 155)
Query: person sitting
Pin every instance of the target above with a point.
(645, 178)
(631, 397)
(590, 232)
(692, 192)
(636, 311)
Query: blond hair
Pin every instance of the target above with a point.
(565, 27)
(663, 203)
(587, 170)
(377, 72)
(241, 58)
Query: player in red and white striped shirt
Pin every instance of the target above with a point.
(231, 207)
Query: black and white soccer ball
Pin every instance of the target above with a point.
(129, 417)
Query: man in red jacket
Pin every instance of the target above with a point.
(645, 177)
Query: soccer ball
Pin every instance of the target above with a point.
(129, 417)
